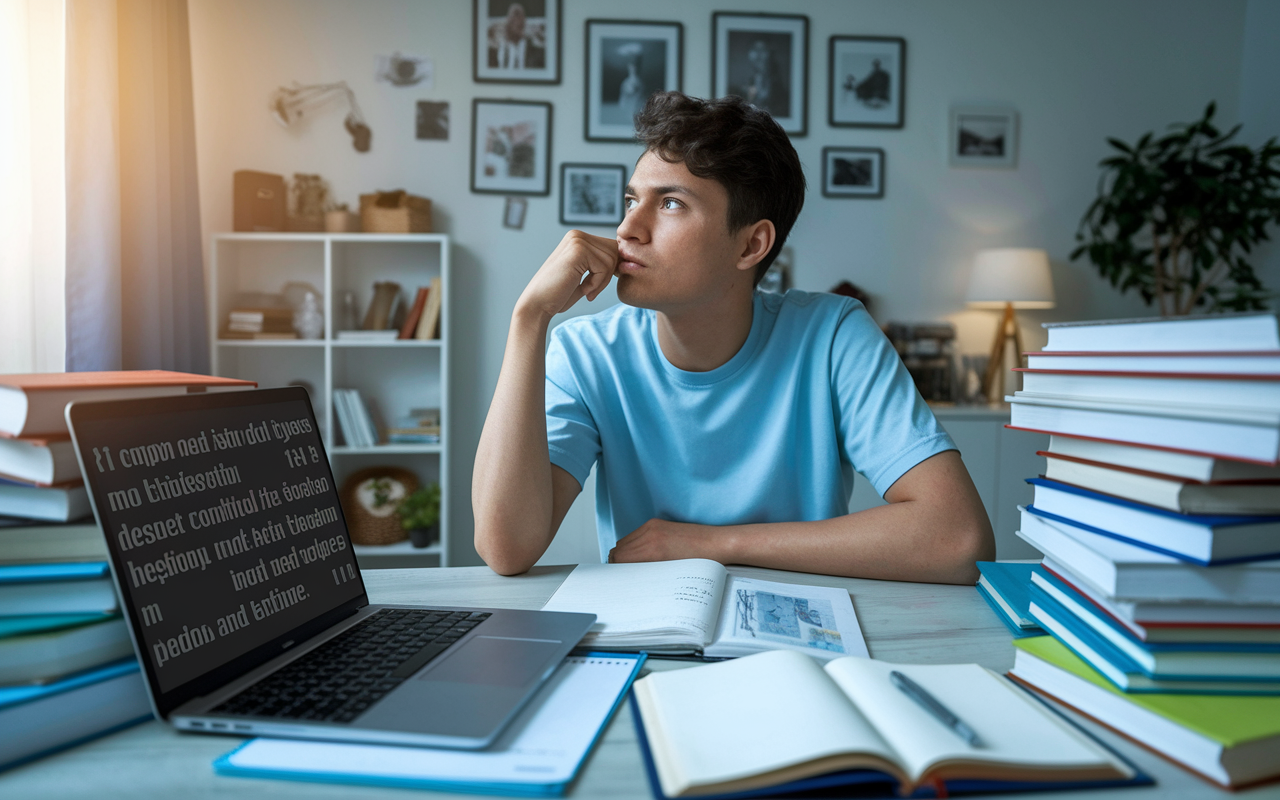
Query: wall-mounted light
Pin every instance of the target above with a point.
(289, 104)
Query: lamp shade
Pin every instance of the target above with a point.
(1010, 275)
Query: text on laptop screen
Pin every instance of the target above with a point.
(225, 526)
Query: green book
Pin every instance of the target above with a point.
(1235, 739)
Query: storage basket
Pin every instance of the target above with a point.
(368, 524)
(395, 212)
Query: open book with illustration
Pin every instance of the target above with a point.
(776, 720)
(695, 606)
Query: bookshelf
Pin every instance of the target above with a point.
(392, 376)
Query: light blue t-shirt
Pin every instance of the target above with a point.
(773, 435)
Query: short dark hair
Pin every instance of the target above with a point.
(737, 145)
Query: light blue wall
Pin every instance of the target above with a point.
(1077, 72)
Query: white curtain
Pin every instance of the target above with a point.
(135, 277)
(32, 184)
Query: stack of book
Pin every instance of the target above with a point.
(260, 323)
(1158, 515)
(419, 426)
(67, 668)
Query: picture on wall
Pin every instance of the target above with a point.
(853, 172)
(626, 63)
(513, 212)
(764, 59)
(432, 120)
(510, 147)
(516, 41)
(983, 137)
(591, 194)
(867, 81)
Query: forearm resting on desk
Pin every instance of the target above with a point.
(933, 530)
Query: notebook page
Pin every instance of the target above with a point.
(544, 744)
(1013, 728)
(632, 599)
(753, 715)
(760, 615)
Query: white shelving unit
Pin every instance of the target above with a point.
(392, 377)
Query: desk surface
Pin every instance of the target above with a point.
(906, 622)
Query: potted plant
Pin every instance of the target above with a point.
(1177, 217)
(420, 514)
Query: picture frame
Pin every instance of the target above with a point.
(764, 59)
(853, 172)
(591, 194)
(513, 212)
(626, 62)
(983, 137)
(866, 80)
(510, 147)
(516, 41)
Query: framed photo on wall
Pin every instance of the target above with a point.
(626, 63)
(510, 147)
(853, 172)
(764, 59)
(866, 77)
(983, 137)
(516, 41)
(591, 194)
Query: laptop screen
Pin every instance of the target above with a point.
(223, 525)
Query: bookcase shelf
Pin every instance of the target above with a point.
(392, 376)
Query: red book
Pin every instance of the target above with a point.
(32, 405)
(415, 313)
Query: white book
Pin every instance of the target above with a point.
(342, 409)
(1128, 572)
(1236, 434)
(48, 503)
(364, 419)
(1217, 333)
(1254, 363)
(695, 606)
(43, 461)
(1205, 469)
(1182, 496)
(1260, 392)
(768, 719)
(27, 543)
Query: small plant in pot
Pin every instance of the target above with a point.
(420, 515)
(1178, 217)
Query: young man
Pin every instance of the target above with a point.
(726, 423)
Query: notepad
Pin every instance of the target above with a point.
(538, 755)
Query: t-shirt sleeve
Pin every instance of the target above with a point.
(884, 425)
(573, 440)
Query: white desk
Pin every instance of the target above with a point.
(907, 622)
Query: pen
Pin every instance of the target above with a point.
(930, 703)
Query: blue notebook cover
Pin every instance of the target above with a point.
(872, 783)
(1011, 582)
(43, 573)
(12, 695)
(1090, 640)
(532, 787)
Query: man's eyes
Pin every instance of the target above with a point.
(666, 203)
(670, 202)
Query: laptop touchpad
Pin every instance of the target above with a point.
(496, 661)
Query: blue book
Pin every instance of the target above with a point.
(42, 623)
(1005, 587)
(1127, 674)
(1201, 539)
(538, 755)
(37, 720)
(75, 588)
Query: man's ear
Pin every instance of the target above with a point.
(757, 240)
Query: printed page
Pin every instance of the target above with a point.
(543, 745)
(644, 605)
(1013, 728)
(752, 721)
(760, 615)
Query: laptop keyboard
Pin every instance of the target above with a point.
(342, 678)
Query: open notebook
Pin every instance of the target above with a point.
(765, 722)
(695, 606)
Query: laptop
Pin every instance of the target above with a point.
(235, 569)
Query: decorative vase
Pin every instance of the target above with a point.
(307, 320)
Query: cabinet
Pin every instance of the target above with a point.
(392, 376)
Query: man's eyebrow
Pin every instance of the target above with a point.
(674, 188)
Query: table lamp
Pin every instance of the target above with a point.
(1008, 278)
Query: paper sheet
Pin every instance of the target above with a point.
(759, 615)
(543, 746)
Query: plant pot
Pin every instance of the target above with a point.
(424, 537)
